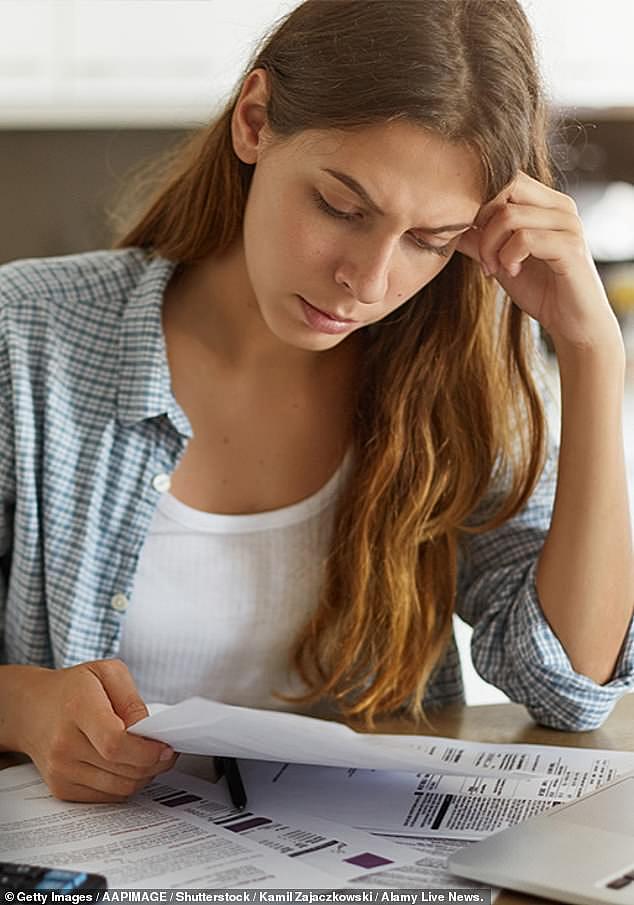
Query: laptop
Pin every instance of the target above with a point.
(580, 852)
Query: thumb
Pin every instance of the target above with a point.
(119, 685)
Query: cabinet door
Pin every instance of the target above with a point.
(586, 50)
(120, 62)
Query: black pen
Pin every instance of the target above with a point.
(229, 767)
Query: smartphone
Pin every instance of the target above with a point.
(30, 877)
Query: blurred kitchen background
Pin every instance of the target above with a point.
(91, 88)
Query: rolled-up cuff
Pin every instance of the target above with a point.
(534, 669)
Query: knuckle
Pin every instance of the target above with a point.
(115, 665)
(569, 203)
(508, 217)
(107, 669)
(58, 749)
(523, 237)
(110, 748)
(484, 250)
(88, 671)
(577, 225)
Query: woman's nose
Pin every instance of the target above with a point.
(365, 272)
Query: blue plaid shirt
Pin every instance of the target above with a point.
(90, 426)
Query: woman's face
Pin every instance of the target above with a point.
(341, 229)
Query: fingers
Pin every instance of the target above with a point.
(99, 781)
(71, 791)
(90, 784)
(558, 249)
(126, 701)
(79, 743)
(525, 190)
(72, 767)
(518, 228)
(116, 706)
(526, 218)
(110, 781)
(84, 752)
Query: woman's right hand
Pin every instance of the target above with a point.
(74, 730)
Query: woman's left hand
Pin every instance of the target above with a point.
(531, 239)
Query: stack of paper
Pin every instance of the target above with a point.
(327, 807)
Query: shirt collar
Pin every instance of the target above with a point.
(144, 387)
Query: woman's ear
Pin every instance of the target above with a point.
(249, 129)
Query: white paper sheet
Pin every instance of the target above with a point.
(161, 828)
(422, 865)
(141, 844)
(201, 726)
(434, 804)
(344, 853)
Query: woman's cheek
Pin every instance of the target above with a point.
(432, 269)
(310, 244)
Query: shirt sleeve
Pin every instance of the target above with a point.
(7, 480)
(512, 645)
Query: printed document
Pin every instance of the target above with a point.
(183, 832)
(435, 804)
(201, 726)
(427, 869)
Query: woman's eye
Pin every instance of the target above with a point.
(332, 211)
(443, 250)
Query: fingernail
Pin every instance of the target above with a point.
(166, 754)
(485, 269)
(514, 269)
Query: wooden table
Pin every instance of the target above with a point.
(503, 723)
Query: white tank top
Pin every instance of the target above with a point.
(219, 599)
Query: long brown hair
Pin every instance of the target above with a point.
(448, 407)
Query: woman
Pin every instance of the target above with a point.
(266, 447)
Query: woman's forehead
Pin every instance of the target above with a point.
(397, 166)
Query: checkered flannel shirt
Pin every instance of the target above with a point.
(89, 430)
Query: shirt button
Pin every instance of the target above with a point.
(119, 603)
(161, 482)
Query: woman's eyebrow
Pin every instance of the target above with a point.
(358, 189)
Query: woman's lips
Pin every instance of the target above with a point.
(323, 322)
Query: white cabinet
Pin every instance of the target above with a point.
(123, 62)
(587, 50)
(171, 62)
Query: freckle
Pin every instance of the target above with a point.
(225, 481)
(260, 461)
(225, 440)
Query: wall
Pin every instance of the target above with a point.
(56, 186)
